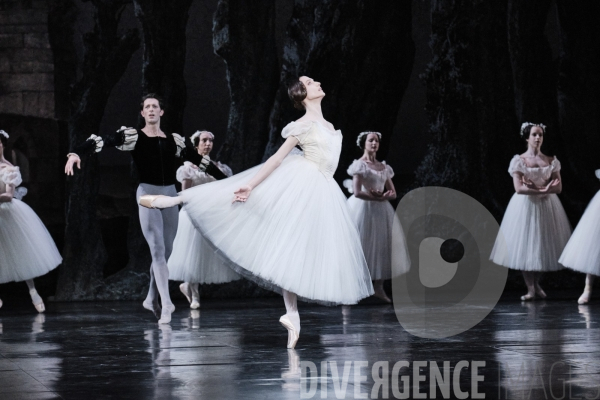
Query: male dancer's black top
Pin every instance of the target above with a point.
(155, 157)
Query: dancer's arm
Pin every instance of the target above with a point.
(361, 194)
(124, 139)
(8, 195)
(267, 169)
(523, 186)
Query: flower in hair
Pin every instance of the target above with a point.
(524, 125)
(3, 133)
(360, 136)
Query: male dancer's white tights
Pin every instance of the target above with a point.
(159, 228)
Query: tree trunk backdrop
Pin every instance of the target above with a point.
(106, 57)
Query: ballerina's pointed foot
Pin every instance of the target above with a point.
(37, 301)
(540, 293)
(585, 297)
(195, 304)
(293, 333)
(158, 201)
(528, 297)
(381, 295)
(187, 292)
(165, 316)
(154, 307)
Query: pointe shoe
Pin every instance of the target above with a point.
(382, 296)
(1, 303)
(154, 308)
(187, 292)
(147, 200)
(346, 310)
(585, 297)
(293, 334)
(540, 293)
(195, 304)
(165, 316)
(527, 297)
(37, 301)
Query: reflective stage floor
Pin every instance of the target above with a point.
(236, 349)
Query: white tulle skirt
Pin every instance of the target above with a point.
(582, 253)
(293, 233)
(26, 248)
(535, 231)
(378, 234)
(193, 260)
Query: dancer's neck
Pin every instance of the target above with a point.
(533, 151)
(153, 129)
(313, 110)
(370, 156)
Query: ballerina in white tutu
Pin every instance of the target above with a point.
(372, 188)
(192, 260)
(294, 234)
(535, 228)
(582, 253)
(26, 248)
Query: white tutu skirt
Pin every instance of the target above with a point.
(535, 231)
(193, 260)
(582, 253)
(26, 248)
(378, 234)
(293, 233)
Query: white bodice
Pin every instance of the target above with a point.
(9, 175)
(370, 178)
(320, 145)
(188, 171)
(538, 175)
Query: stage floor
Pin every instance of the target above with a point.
(236, 349)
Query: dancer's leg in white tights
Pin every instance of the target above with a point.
(35, 297)
(291, 306)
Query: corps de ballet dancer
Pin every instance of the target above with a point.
(154, 153)
(26, 247)
(582, 252)
(535, 228)
(372, 188)
(288, 227)
(192, 259)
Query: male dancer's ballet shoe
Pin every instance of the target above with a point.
(147, 200)
(155, 308)
(37, 301)
(165, 316)
(293, 334)
(585, 296)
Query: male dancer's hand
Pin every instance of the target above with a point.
(73, 158)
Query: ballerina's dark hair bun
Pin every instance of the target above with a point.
(297, 94)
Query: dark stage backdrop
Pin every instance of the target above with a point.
(447, 82)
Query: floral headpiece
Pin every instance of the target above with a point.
(3, 133)
(198, 133)
(360, 135)
(526, 124)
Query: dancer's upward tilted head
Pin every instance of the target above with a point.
(305, 90)
(152, 108)
(203, 142)
(369, 140)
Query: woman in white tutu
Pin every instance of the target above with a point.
(192, 260)
(26, 248)
(582, 253)
(372, 188)
(535, 228)
(294, 234)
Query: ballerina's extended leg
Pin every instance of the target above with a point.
(159, 201)
(291, 320)
(38, 303)
(587, 291)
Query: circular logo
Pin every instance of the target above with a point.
(449, 283)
